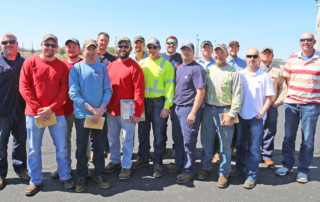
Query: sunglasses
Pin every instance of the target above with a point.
(252, 56)
(308, 39)
(123, 46)
(267, 53)
(152, 47)
(46, 44)
(8, 42)
(171, 43)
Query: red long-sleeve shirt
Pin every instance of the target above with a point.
(44, 84)
(68, 106)
(127, 82)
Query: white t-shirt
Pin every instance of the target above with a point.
(256, 86)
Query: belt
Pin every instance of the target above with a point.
(215, 106)
(155, 99)
(188, 105)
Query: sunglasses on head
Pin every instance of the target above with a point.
(252, 56)
(171, 43)
(46, 44)
(307, 39)
(123, 46)
(152, 47)
(267, 53)
(8, 42)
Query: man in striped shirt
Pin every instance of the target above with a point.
(302, 74)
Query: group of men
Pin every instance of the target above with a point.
(228, 97)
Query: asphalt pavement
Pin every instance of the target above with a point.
(143, 187)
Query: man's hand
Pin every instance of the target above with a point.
(258, 116)
(191, 118)
(45, 113)
(164, 113)
(227, 121)
(135, 119)
(95, 119)
(273, 105)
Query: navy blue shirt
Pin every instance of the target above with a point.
(189, 78)
(105, 59)
(11, 102)
(175, 59)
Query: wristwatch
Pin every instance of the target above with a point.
(232, 118)
(261, 116)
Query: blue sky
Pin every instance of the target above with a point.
(275, 23)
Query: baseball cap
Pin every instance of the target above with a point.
(267, 48)
(138, 38)
(125, 39)
(50, 36)
(222, 46)
(154, 41)
(76, 41)
(89, 42)
(188, 45)
(206, 42)
(234, 42)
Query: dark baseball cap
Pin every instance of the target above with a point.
(76, 41)
(234, 42)
(206, 42)
(188, 45)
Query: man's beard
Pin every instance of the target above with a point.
(123, 56)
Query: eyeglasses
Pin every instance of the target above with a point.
(152, 47)
(123, 46)
(171, 43)
(307, 39)
(8, 42)
(46, 44)
(252, 56)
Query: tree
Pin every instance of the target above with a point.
(61, 51)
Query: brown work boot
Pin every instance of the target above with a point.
(102, 182)
(2, 183)
(111, 167)
(32, 189)
(69, 183)
(172, 168)
(249, 184)
(203, 174)
(216, 158)
(222, 182)
(269, 163)
(139, 164)
(125, 174)
(158, 171)
(81, 185)
(184, 178)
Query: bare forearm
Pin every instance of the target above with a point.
(198, 100)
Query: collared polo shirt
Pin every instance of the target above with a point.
(237, 63)
(206, 64)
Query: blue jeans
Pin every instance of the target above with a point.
(307, 114)
(185, 138)
(16, 126)
(114, 127)
(152, 111)
(249, 141)
(210, 126)
(98, 144)
(270, 130)
(58, 134)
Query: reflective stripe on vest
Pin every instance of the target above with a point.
(155, 83)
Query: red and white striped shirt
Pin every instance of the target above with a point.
(304, 85)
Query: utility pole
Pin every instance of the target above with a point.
(317, 36)
(22, 51)
(197, 48)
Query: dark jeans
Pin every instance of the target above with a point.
(16, 126)
(98, 144)
(185, 138)
(270, 130)
(152, 112)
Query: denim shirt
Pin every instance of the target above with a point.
(203, 63)
(237, 63)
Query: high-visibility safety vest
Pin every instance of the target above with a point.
(159, 80)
